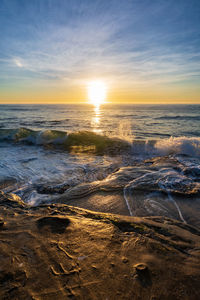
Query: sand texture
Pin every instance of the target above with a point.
(61, 252)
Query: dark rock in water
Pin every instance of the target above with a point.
(57, 189)
(12, 200)
(164, 162)
(56, 224)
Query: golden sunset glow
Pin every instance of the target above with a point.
(97, 92)
(66, 64)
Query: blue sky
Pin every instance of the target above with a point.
(131, 45)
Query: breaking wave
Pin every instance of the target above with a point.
(82, 141)
(179, 145)
(167, 146)
(87, 141)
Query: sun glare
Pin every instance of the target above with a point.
(97, 92)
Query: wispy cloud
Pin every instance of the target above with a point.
(134, 43)
(18, 62)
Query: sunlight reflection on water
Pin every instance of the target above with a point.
(95, 122)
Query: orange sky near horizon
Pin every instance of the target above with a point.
(115, 94)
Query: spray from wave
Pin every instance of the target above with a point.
(88, 141)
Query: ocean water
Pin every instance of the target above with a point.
(146, 155)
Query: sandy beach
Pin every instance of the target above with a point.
(62, 252)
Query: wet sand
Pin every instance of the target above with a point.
(113, 203)
(62, 252)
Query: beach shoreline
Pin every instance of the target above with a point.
(63, 252)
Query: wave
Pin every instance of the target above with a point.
(82, 141)
(130, 115)
(43, 123)
(18, 108)
(179, 145)
(168, 146)
(87, 141)
(178, 117)
(25, 135)
(50, 121)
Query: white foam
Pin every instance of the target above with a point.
(179, 145)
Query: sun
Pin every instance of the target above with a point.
(97, 92)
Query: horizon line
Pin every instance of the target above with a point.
(106, 103)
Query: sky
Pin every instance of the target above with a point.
(145, 51)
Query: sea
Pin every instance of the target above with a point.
(146, 157)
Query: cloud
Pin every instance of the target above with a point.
(133, 43)
(18, 63)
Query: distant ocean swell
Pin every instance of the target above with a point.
(88, 141)
(192, 118)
